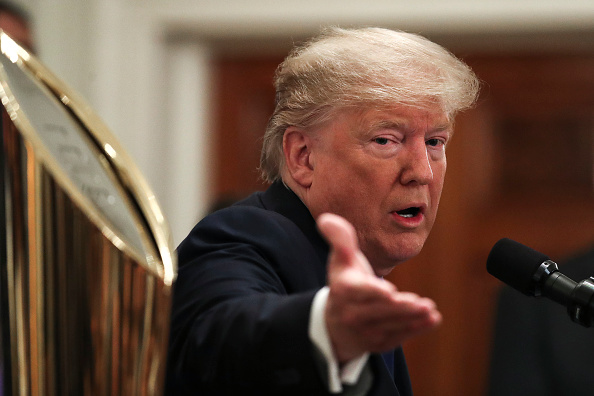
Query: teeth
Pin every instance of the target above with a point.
(409, 212)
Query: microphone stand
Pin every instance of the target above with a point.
(577, 297)
(581, 310)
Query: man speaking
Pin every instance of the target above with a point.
(282, 293)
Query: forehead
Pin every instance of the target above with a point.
(404, 118)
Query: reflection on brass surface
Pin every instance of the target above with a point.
(87, 264)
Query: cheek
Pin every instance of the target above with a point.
(439, 172)
(437, 186)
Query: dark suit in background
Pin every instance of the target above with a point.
(537, 349)
(247, 277)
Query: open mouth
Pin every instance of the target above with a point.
(409, 212)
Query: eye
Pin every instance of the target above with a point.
(435, 142)
(381, 140)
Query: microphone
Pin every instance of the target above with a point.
(534, 274)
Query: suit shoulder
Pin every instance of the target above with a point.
(244, 223)
(270, 234)
(252, 236)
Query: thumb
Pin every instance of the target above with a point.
(342, 238)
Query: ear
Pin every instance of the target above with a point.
(297, 147)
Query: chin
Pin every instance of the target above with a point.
(382, 272)
(408, 246)
(384, 264)
(384, 256)
(400, 254)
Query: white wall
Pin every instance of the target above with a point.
(144, 64)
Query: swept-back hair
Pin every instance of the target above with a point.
(361, 68)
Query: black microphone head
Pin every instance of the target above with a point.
(515, 264)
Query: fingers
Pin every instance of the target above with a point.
(379, 339)
(378, 325)
(342, 238)
(396, 306)
(392, 313)
(339, 233)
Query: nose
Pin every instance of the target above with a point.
(417, 165)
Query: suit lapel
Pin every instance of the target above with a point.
(282, 200)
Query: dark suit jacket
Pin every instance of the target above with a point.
(241, 304)
(537, 349)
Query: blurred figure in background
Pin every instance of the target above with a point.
(537, 349)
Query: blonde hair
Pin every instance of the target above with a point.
(368, 67)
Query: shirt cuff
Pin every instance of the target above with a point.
(318, 333)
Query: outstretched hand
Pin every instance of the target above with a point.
(365, 313)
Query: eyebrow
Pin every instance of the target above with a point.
(390, 124)
(387, 124)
